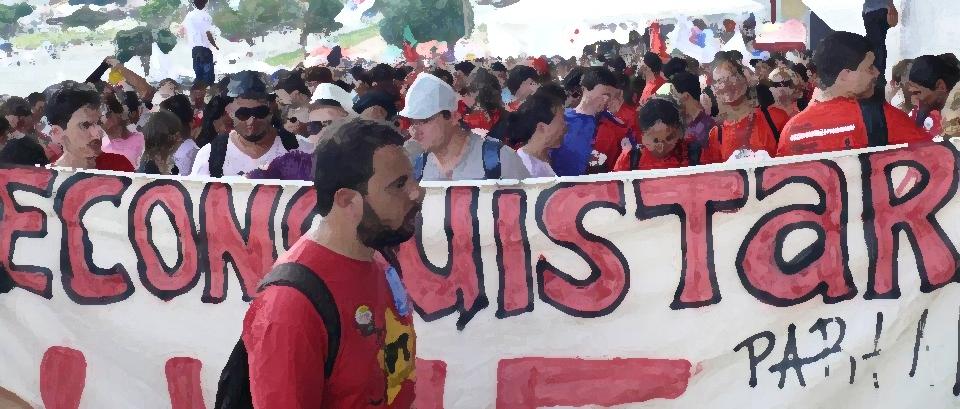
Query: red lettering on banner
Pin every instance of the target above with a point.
(173, 199)
(301, 209)
(821, 267)
(529, 383)
(560, 213)
(63, 375)
(913, 212)
(84, 282)
(694, 199)
(457, 286)
(183, 383)
(431, 378)
(251, 249)
(513, 253)
(18, 221)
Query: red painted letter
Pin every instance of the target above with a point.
(560, 213)
(84, 282)
(431, 378)
(18, 221)
(63, 375)
(457, 286)
(174, 200)
(251, 249)
(694, 199)
(820, 268)
(886, 214)
(183, 383)
(300, 213)
(513, 253)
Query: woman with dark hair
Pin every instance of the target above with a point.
(663, 144)
(747, 128)
(180, 106)
(482, 100)
(215, 120)
(118, 138)
(162, 134)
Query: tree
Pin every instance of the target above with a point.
(84, 17)
(319, 18)
(138, 42)
(425, 20)
(160, 13)
(97, 2)
(9, 16)
(256, 18)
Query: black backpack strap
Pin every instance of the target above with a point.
(876, 122)
(634, 157)
(491, 158)
(288, 139)
(301, 278)
(773, 127)
(419, 164)
(720, 134)
(218, 154)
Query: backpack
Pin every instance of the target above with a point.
(233, 389)
(875, 121)
(491, 160)
(218, 149)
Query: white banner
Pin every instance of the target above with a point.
(822, 281)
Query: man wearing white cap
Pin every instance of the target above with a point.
(441, 149)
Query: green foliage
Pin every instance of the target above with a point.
(319, 17)
(288, 59)
(9, 16)
(85, 17)
(256, 18)
(137, 41)
(165, 40)
(159, 13)
(229, 22)
(97, 2)
(426, 20)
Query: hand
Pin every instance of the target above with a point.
(112, 61)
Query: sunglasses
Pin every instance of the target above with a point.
(781, 84)
(314, 127)
(259, 112)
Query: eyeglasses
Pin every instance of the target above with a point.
(259, 112)
(314, 127)
(782, 84)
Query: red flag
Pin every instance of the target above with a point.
(657, 44)
(410, 52)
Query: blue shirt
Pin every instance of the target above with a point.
(573, 155)
(506, 96)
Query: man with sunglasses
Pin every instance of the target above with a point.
(253, 142)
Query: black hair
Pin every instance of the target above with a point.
(465, 67)
(653, 61)
(200, 4)
(381, 73)
(180, 106)
(35, 97)
(4, 125)
(552, 90)
(16, 106)
(541, 107)
(66, 98)
(518, 75)
(487, 88)
(594, 76)
(318, 74)
(293, 82)
(22, 151)
(571, 83)
(674, 66)
(443, 74)
(685, 82)
(131, 100)
(214, 110)
(356, 70)
(840, 51)
(400, 74)
(161, 133)
(616, 64)
(498, 66)
(343, 158)
(198, 85)
(801, 70)
(714, 109)
(165, 81)
(659, 110)
(928, 69)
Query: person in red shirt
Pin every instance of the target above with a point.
(368, 206)
(663, 145)
(931, 79)
(482, 103)
(74, 113)
(845, 64)
(745, 128)
(522, 82)
(651, 71)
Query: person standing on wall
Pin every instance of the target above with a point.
(198, 26)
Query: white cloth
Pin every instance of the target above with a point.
(334, 92)
(236, 163)
(537, 167)
(197, 23)
(184, 155)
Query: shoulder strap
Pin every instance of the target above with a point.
(875, 119)
(288, 139)
(218, 154)
(491, 158)
(300, 277)
(773, 127)
(419, 164)
(634, 157)
(720, 134)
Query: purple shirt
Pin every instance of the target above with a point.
(293, 165)
(698, 135)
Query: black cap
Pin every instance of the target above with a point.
(336, 54)
(247, 85)
(376, 98)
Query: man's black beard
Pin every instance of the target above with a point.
(255, 137)
(374, 234)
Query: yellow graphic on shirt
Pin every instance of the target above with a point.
(398, 354)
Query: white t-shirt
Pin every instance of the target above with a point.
(185, 155)
(197, 23)
(537, 167)
(236, 163)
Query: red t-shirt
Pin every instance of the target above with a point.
(286, 339)
(628, 114)
(676, 159)
(750, 132)
(611, 138)
(115, 162)
(514, 105)
(479, 119)
(838, 124)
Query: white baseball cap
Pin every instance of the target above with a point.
(427, 96)
(335, 93)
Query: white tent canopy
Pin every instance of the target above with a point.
(562, 27)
